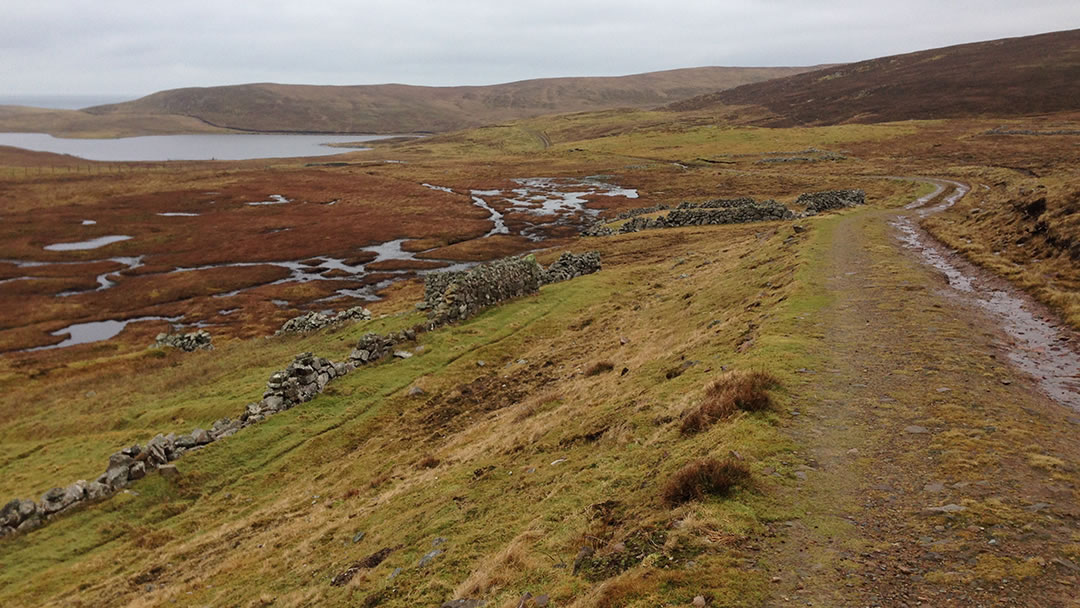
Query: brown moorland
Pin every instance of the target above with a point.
(904, 459)
(1009, 77)
(385, 108)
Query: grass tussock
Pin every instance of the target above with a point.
(600, 367)
(701, 478)
(732, 392)
(428, 462)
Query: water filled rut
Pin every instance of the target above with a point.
(1037, 342)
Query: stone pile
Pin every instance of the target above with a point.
(816, 202)
(372, 347)
(300, 382)
(190, 342)
(313, 321)
(570, 265)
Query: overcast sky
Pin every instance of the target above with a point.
(140, 46)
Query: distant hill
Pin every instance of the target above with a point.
(1013, 76)
(397, 108)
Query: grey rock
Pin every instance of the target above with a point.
(30, 523)
(583, 554)
(137, 471)
(950, 508)
(116, 476)
(273, 403)
(201, 437)
(53, 500)
(416, 391)
(934, 487)
(359, 536)
(402, 354)
(96, 491)
(463, 603)
(429, 557)
(916, 429)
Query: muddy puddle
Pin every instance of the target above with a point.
(1037, 342)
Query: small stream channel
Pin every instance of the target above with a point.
(1039, 344)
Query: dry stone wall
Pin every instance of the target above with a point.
(453, 296)
(459, 294)
(730, 211)
(816, 202)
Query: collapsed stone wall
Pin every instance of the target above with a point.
(301, 381)
(190, 342)
(816, 202)
(125, 466)
(313, 321)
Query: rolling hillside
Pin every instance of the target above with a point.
(1009, 77)
(397, 108)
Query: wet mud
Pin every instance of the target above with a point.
(1035, 340)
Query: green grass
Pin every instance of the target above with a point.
(302, 483)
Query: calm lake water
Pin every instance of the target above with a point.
(187, 147)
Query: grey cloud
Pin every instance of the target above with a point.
(140, 46)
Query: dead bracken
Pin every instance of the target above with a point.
(701, 478)
(732, 392)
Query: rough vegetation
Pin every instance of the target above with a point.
(534, 453)
(732, 392)
(703, 478)
(1010, 77)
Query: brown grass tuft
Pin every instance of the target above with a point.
(735, 390)
(702, 478)
(600, 367)
(428, 462)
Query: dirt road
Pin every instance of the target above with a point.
(935, 471)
